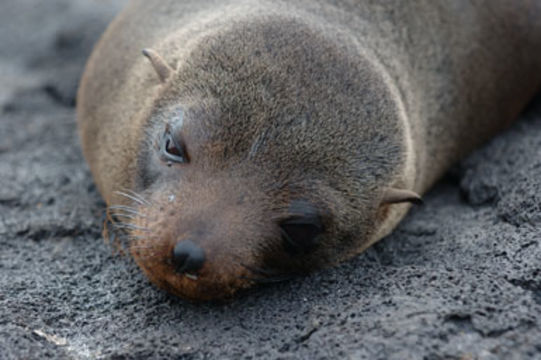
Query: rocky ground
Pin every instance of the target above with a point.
(459, 279)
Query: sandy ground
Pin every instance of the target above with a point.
(459, 279)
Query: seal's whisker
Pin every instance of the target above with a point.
(121, 222)
(130, 227)
(127, 209)
(127, 216)
(131, 197)
(124, 207)
(137, 195)
(136, 237)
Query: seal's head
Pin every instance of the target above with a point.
(270, 150)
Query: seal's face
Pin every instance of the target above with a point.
(210, 222)
(263, 157)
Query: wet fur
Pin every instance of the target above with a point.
(329, 102)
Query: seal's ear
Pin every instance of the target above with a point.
(396, 196)
(162, 68)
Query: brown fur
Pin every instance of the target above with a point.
(324, 101)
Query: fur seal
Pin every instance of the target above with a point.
(258, 139)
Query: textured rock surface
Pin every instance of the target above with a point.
(459, 279)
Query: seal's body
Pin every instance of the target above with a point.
(271, 137)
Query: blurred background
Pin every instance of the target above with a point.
(46, 43)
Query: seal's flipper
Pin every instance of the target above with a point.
(396, 196)
(162, 68)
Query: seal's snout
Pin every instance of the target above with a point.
(187, 257)
(201, 243)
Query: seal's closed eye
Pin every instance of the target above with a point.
(301, 230)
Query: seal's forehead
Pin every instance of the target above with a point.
(282, 91)
(309, 138)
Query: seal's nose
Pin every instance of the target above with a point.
(188, 257)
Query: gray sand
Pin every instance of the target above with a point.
(459, 279)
